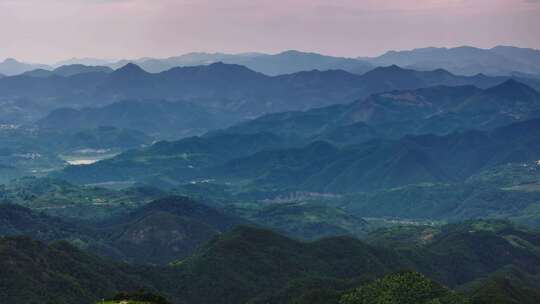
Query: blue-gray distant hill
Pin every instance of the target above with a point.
(163, 119)
(500, 60)
(465, 60)
(68, 70)
(270, 64)
(10, 67)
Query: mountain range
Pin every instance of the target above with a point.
(396, 113)
(465, 60)
(276, 64)
(287, 62)
(412, 177)
(217, 87)
(385, 140)
(320, 166)
(68, 70)
(228, 268)
(377, 164)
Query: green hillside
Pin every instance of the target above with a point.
(252, 265)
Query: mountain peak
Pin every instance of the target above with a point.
(130, 72)
(385, 70)
(290, 52)
(235, 70)
(510, 84)
(10, 61)
(130, 68)
(440, 71)
(512, 88)
(390, 68)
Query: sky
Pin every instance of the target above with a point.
(51, 30)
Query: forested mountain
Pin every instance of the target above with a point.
(379, 163)
(28, 151)
(356, 170)
(158, 233)
(67, 274)
(131, 175)
(189, 158)
(320, 166)
(228, 268)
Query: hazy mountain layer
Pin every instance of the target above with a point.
(500, 60)
(393, 114)
(230, 88)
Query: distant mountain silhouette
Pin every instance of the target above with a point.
(465, 60)
(39, 73)
(74, 69)
(294, 61)
(67, 71)
(276, 64)
(10, 67)
(84, 61)
(500, 60)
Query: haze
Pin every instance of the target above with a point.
(51, 30)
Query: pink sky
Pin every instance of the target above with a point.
(50, 30)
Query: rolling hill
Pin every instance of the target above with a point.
(166, 230)
(259, 266)
(159, 232)
(378, 164)
(320, 166)
(187, 159)
(67, 275)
